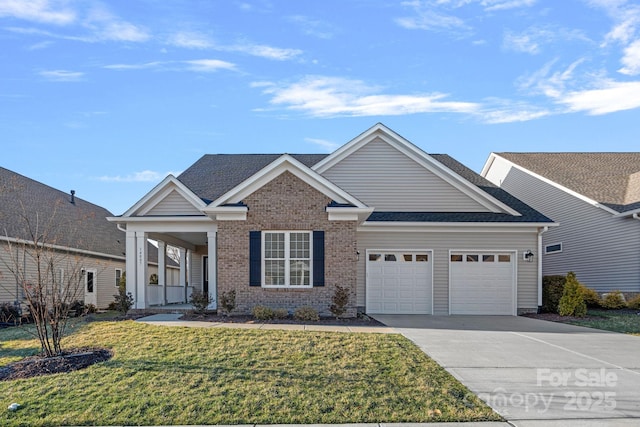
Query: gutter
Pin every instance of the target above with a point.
(541, 231)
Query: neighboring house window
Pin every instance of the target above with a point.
(292, 259)
(551, 249)
(118, 276)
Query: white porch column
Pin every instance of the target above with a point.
(162, 269)
(183, 272)
(212, 267)
(142, 263)
(130, 265)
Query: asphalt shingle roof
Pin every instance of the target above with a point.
(612, 179)
(80, 225)
(215, 174)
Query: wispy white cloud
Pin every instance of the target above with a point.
(62, 75)
(631, 59)
(209, 65)
(313, 27)
(491, 5)
(328, 146)
(43, 11)
(441, 15)
(143, 176)
(321, 96)
(198, 40)
(41, 45)
(197, 65)
(498, 111)
(263, 51)
(102, 25)
(534, 38)
(190, 40)
(611, 97)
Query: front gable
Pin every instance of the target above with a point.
(231, 205)
(169, 198)
(389, 173)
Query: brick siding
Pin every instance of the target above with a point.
(287, 203)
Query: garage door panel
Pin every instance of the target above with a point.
(399, 282)
(482, 283)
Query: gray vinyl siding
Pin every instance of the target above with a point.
(105, 276)
(383, 177)
(174, 204)
(441, 243)
(603, 250)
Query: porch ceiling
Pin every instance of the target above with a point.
(178, 237)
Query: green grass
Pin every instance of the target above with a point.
(626, 322)
(170, 375)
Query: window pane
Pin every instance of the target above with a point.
(472, 258)
(299, 273)
(274, 272)
(408, 257)
(89, 281)
(504, 258)
(456, 258)
(488, 258)
(389, 257)
(375, 257)
(274, 245)
(299, 245)
(553, 248)
(422, 257)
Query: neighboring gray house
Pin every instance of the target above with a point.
(75, 227)
(402, 230)
(596, 199)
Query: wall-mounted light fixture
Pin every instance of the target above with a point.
(528, 256)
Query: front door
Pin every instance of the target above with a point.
(205, 274)
(90, 282)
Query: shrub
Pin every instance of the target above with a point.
(260, 312)
(76, 309)
(591, 297)
(572, 302)
(339, 301)
(306, 313)
(552, 289)
(123, 301)
(200, 301)
(228, 301)
(634, 302)
(614, 301)
(90, 308)
(280, 313)
(9, 313)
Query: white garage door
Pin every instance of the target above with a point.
(482, 283)
(399, 282)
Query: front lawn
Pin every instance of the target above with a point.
(170, 375)
(624, 321)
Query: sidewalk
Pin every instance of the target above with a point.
(173, 319)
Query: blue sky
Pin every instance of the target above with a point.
(108, 97)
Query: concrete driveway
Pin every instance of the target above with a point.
(528, 369)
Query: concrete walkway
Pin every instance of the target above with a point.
(173, 319)
(532, 372)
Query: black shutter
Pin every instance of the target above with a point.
(318, 258)
(255, 258)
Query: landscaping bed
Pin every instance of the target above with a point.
(361, 320)
(625, 321)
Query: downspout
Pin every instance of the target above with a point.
(124, 230)
(541, 231)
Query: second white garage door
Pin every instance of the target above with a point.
(482, 282)
(399, 282)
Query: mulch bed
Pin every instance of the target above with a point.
(216, 318)
(70, 360)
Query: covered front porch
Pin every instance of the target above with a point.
(195, 240)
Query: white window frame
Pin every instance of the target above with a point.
(546, 248)
(117, 277)
(287, 259)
